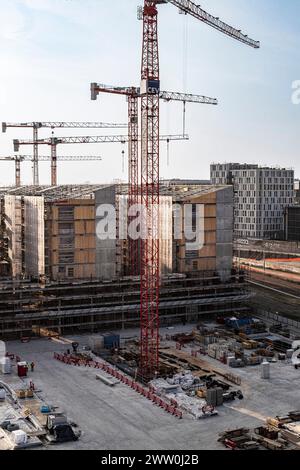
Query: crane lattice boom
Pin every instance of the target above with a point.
(92, 140)
(47, 158)
(65, 125)
(164, 95)
(189, 7)
(35, 126)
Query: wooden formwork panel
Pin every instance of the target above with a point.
(84, 213)
(210, 237)
(210, 224)
(54, 213)
(86, 241)
(54, 243)
(85, 256)
(85, 271)
(79, 226)
(54, 257)
(202, 199)
(83, 227)
(210, 210)
(55, 230)
(207, 264)
(208, 251)
(90, 227)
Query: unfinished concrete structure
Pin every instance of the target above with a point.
(70, 239)
(5, 266)
(52, 232)
(97, 306)
(83, 287)
(215, 256)
(112, 260)
(216, 253)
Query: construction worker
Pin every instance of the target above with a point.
(32, 365)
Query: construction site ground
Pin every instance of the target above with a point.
(119, 418)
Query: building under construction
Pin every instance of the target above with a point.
(5, 266)
(51, 232)
(65, 278)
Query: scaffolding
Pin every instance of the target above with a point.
(98, 306)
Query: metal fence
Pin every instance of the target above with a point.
(274, 317)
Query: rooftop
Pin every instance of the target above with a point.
(56, 193)
(53, 193)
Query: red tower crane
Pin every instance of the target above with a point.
(133, 94)
(150, 91)
(54, 141)
(55, 125)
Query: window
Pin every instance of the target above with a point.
(70, 272)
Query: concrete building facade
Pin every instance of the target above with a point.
(5, 265)
(112, 253)
(70, 239)
(216, 253)
(53, 232)
(261, 196)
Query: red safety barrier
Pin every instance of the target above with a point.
(147, 393)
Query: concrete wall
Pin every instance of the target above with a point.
(216, 254)
(70, 243)
(24, 218)
(106, 250)
(224, 251)
(13, 222)
(34, 233)
(112, 254)
(165, 231)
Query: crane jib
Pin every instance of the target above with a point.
(190, 8)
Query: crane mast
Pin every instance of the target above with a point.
(150, 90)
(150, 198)
(133, 176)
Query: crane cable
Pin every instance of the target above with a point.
(185, 41)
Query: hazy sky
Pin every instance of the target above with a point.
(50, 51)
